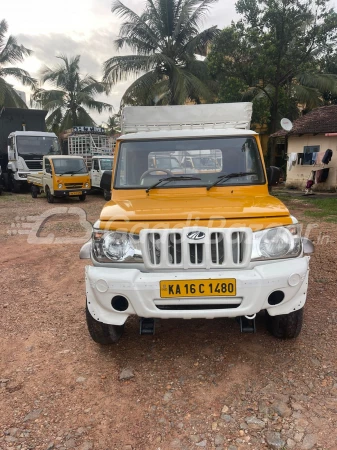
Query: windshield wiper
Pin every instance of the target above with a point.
(169, 179)
(224, 178)
(70, 172)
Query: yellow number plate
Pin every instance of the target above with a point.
(198, 288)
(75, 193)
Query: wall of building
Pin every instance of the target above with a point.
(299, 174)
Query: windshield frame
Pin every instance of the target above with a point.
(202, 186)
(25, 154)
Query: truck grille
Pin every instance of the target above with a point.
(73, 185)
(201, 248)
(34, 164)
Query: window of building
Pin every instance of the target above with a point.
(308, 151)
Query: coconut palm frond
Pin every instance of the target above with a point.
(19, 74)
(141, 90)
(67, 103)
(309, 96)
(83, 117)
(9, 97)
(10, 53)
(322, 81)
(54, 118)
(165, 39)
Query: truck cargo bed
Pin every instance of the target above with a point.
(36, 179)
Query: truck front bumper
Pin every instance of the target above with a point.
(142, 292)
(70, 192)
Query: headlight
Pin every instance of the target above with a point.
(276, 243)
(116, 246)
(86, 185)
(60, 186)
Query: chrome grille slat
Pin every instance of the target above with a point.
(225, 248)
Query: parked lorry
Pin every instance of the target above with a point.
(87, 142)
(99, 164)
(209, 244)
(62, 176)
(23, 142)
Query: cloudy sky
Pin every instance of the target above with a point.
(84, 27)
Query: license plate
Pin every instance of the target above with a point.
(75, 193)
(198, 288)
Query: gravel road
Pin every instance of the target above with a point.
(194, 384)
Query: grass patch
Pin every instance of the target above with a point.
(281, 195)
(323, 208)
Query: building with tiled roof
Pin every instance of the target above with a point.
(319, 120)
(311, 136)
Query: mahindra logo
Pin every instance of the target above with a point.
(196, 235)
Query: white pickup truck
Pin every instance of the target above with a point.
(98, 165)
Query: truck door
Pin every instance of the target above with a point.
(95, 174)
(47, 175)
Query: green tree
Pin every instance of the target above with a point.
(329, 65)
(11, 52)
(113, 125)
(273, 54)
(166, 40)
(68, 102)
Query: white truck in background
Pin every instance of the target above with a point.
(23, 143)
(99, 164)
(88, 142)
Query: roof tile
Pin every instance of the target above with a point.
(319, 120)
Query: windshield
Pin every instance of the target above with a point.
(37, 145)
(69, 165)
(106, 164)
(142, 163)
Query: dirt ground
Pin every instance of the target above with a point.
(194, 384)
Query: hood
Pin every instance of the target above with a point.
(193, 207)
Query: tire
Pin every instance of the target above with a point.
(285, 326)
(34, 191)
(15, 186)
(106, 195)
(50, 197)
(82, 197)
(103, 333)
(6, 181)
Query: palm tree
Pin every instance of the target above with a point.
(11, 52)
(68, 102)
(166, 40)
(113, 125)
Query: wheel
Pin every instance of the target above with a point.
(82, 197)
(34, 191)
(101, 332)
(106, 195)
(285, 326)
(50, 197)
(15, 186)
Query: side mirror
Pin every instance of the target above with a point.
(106, 180)
(274, 174)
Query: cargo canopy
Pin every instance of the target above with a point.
(186, 117)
